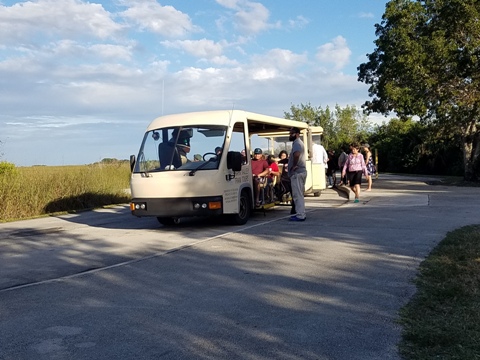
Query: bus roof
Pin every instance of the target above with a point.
(257, 123)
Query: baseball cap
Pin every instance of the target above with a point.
(257, 151)
(184, 142)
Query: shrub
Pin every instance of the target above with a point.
(7, 168)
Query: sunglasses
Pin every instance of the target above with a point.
(185, 142)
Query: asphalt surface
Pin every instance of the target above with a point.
(106, 285)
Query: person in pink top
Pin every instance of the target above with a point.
(354, 168)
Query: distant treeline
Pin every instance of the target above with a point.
(112, 161)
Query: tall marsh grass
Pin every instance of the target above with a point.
(32, 191)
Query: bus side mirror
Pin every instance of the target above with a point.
(234, 160)
(132, 162)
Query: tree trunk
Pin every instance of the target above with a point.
(471, 152)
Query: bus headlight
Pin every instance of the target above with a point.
(138, 206)
(198, 206)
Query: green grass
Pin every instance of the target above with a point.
(442, 321)
(39, 190)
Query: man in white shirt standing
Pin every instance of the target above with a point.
(319, 156)
(297, 171)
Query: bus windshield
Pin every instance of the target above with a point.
(181, 148)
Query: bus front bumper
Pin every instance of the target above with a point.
(177, 207)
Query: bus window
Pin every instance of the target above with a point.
(174, 148)
(238, 141)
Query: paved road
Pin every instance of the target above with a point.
(106, 285)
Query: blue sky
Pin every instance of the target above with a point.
(81, 80)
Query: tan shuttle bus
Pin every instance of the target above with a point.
(199, 164)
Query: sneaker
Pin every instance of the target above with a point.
(356, 201)
(329, 186)
(294, 218)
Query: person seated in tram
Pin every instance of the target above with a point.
(274, 172)
(259, 171)
(244, 157)
(285, 186)
(273, 178)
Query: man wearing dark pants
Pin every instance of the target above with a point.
(298, 174)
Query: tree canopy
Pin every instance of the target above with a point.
(340, 126)
(427, 63)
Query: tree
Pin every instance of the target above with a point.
(413, 147)
(351, 125)
(397, 145)
(427, 63)
(314, 116)
(340, 127)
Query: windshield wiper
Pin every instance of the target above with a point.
(192, 172)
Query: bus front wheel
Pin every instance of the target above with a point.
(244, 210)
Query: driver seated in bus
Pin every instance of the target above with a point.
(183, 144)
(259, 171)
(183, 147)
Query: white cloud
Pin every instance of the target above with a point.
(159, 67)
(281, 59)
(298, 23)
(27, 21)
(199, 48)
(276, 63)
(267, 84)
(250, 17)
(73, 50)
(264, 74)
(230, 4)
(253, 19)
(223, 60)
(335, 52)
(271, 79)
(207, 50)
(163, 20)
(49, 122)
(114, 52)
(70, 71)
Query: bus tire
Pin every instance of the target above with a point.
(167, 221)
(244, 211)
